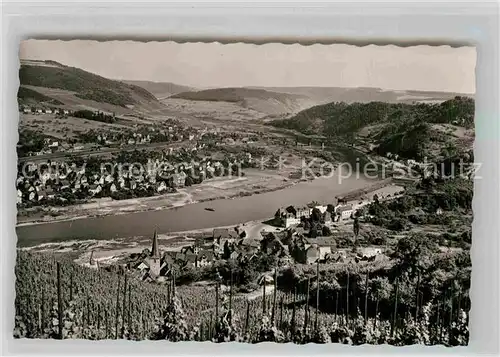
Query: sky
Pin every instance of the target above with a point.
(205, 65)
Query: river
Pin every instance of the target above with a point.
(190, 217)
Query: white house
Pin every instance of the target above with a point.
(133, 184)
(344, 211)
(323, 251)
(322, 209)
(109, 179)
(411, 162)
(142, 266)
(121, 182)
(290, 220)
(31, 167)
(303, 212)
(369, 252)
(161, 186)
(76, 187)
(48, 111)
(50, 193)
(95, 189)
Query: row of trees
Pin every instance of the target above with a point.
(96, 116)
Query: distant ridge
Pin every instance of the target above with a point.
(291, 100)
(261, 100)
(323, 95)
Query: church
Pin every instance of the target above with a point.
(154, 258)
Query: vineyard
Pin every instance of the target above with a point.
(55, 298)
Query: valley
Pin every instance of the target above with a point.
(261, 196)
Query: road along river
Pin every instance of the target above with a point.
(226, 212)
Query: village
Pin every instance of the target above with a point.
(134, 135)
(147, 160)
(40, 184)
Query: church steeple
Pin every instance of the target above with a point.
(155, 253)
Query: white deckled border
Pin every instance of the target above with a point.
(356, 23)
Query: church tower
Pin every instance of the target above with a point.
(154, 258)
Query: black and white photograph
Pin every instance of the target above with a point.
(239, 192)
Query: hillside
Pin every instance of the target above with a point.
(260, 100)
(409, 130)
(28, 97)
(82, 84)
(286, 100)
(160, 89)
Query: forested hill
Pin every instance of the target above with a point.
(410, 130)
(340, 118)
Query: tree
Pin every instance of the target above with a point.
(173, 326)
(414, 252)
(356, 227)
(227, 250)
(316, 215)
(189, 181)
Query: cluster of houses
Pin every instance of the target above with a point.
(289, 246)
(36, 183)
(47, 185)
(143, 134)
(153, 265)
(294, 216)
(43, 110)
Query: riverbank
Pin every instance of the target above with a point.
(253, 183)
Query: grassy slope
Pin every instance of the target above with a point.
(27, 96)
(160, 89)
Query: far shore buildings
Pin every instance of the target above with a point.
(291, 216)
